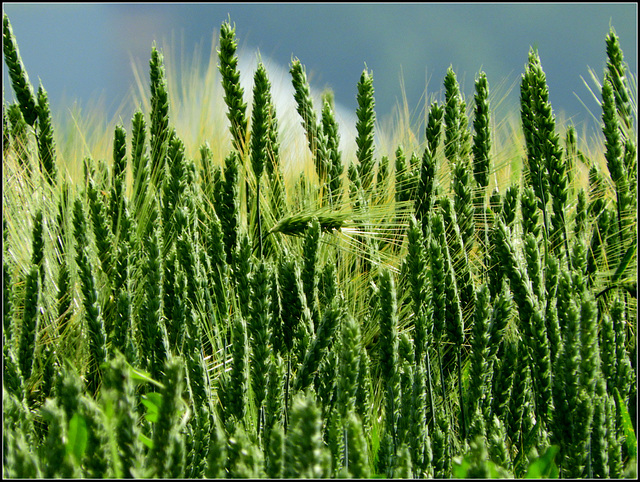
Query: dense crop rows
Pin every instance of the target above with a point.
(412, 315)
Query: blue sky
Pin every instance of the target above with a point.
(82, 51)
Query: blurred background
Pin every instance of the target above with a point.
(85, 51)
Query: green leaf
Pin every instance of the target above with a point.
(544, 467)
(139, 376)
(627, 426)
(460, 467)
(152, 401)
(77, 437)
(145, 440)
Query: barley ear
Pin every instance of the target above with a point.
(242, 273)
(12, 373)
(93, 315)
(139, 163)
(228, 66)
(534, 92)
(481, 151)
(259, 124)
(55, 461)
(174, 187)
(428, 165)
(616, 165)
(44, 134)
(479, 355)
(357, 459)
(30, 324)
(389, 350)
(120, 390)
(580, 216)
(482, 139)
(599, 445)
(624, 372)
(529, 211)
(274, 466)
(309, 272)
(159, 129)
(462, 195)
(18, 74)
(589, 375)
(336, 168)
(613, 439)
(304, 103)
(101, 227)
(615, 72)
(416, 261)
(316, 350)
(217, 455)
(151, 322)
(509, 204)
(259, 138)
(452, 131)
(364, 126)
(228, 210)
(158, 461)
(118, 178)
(305, 454)
(238, 381)
(348, 368)
(364, 392)
(19, 130)
(259, 332)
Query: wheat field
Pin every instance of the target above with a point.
(243, 280)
